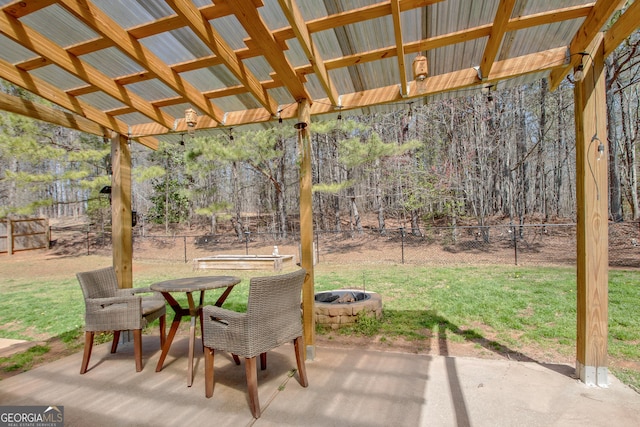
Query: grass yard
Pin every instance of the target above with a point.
(528, 313)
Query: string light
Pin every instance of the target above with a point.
(578, 73)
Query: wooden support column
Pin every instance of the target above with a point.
(306, 228)
(121, 236)
(592, 222)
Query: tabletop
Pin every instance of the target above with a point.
(193, 284)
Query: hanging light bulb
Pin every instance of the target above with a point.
(578, 74)
(191, 118)
(600, 151)
(486, 90)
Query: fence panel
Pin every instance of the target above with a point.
(23, 234)
(528, 244)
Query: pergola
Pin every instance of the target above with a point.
(151, 70)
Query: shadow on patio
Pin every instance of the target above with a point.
(347, 387)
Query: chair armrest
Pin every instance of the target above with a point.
(114, 313)
(218, 314)
(100, 303)
(224, 329)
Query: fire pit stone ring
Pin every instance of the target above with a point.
(339, 308)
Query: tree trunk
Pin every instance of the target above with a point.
(378, 198)
(615, 186)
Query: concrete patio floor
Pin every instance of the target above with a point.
(347, 387)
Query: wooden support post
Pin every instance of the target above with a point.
(121, 236)
(592, 214)
(306, 228)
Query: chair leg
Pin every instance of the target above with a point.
(236, 359)
(137, 348)
(252, 385)
(88, 346)
(263, 361)
(163, 330)
(114, 344)
(302, 369)
(208, 371)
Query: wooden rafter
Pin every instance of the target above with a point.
(498, 29)
(513, 67)
(253, 24)
(270, 44)
(100, 22)
(15, 30)
(293, 15)
(591, 26)
(201, 27)
(397, 32)
(621, 28)
(24, 107)
(47, 91)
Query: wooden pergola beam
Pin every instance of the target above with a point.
(294, 16)
(253, 24)
(100, 22)
(24, 107)
(33, 40)
(48, 91)
(397, 33)
(498, 29)
(593, 23)
(209, 36)
(592, 220)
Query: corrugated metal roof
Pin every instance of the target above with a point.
(243, 62)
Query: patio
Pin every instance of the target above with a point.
(353, 387)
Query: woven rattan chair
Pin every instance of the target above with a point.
(108, 308)
(272, 319)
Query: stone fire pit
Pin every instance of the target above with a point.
(341, 307)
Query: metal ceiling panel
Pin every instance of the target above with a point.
(58, 77)
(211, 78)
(13, 52)
(59, 26)
(152, 90)
(112, 62)
(130, 13)
(102, 101)
(530, 40)
(176, 46)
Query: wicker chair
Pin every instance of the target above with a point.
(272, 318)
(108, 308)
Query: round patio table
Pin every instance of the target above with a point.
(189, 285)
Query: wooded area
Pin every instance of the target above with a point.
(506, 155)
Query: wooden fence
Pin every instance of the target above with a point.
(23, 234)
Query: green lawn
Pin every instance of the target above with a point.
(506, 309)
